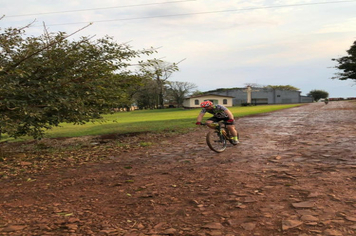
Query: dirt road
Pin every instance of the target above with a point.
(294, 173)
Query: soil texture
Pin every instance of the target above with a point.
(294, 173)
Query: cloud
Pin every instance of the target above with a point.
(225, 43)
(349, 25)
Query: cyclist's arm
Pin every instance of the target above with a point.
(200, 117)
(228, 112)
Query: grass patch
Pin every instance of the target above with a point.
(155, 121)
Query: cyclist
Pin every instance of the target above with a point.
(219, 113)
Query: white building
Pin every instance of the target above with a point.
(194, 101)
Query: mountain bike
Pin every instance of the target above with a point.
(217, 138)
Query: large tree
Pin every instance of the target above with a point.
(146, 96)
(318, 94)
(347, 65)
(48, 79)
(177, 91)
(160, 71)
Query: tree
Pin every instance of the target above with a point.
(49, 79)
(347, 65)
(134, 84)
(147, 95)
(253, 85)
(318, 94)
(160, 71)
(177, 91)
(197, 93)
(283, 87)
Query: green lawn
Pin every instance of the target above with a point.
(168, 120)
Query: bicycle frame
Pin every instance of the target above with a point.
(221, 128)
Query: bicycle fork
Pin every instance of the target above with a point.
(225, 134)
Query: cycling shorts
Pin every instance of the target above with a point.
(215, 119)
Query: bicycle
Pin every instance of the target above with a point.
(217, 138)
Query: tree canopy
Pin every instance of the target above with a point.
(160, 71)
(49, 79)
(177, 91)
(283, 87)
(347, 65)
(318, 94)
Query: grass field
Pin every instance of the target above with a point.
(168, 120)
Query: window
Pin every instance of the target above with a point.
(225, 101)
(196, 102)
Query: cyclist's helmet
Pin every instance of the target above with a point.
(206, 104)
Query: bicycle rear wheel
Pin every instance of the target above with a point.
(216, 141)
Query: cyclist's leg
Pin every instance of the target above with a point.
(233, 133)
(231, 128)
(210, 121)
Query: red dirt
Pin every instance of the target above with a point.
(294, 173)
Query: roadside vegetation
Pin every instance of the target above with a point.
(154, 121)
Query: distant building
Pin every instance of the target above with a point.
(263, 96)
(239, 96)
(194, 101)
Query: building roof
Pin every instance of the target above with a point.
(207, 95)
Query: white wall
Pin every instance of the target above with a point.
(191, 102)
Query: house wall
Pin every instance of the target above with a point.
(305, 99)
(195, 101)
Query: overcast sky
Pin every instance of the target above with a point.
(225, 43)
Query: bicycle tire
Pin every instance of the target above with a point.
(216, 141)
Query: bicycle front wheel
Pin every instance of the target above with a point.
(216, 141)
